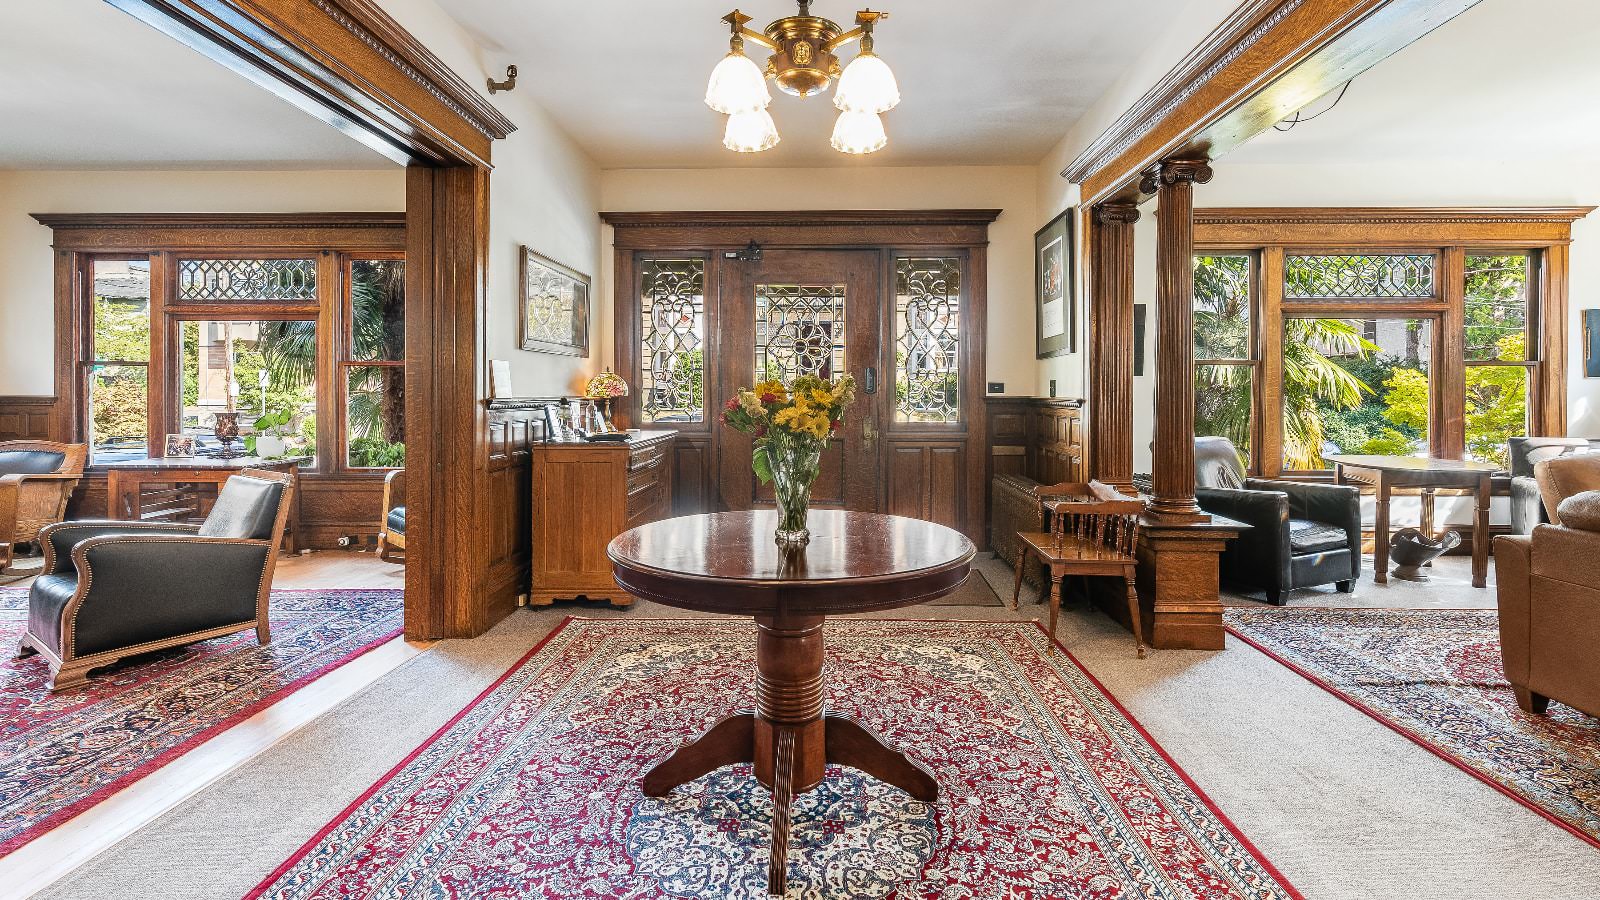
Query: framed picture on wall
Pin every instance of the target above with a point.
(1591, 343)
(555, 306)
(1054, 302)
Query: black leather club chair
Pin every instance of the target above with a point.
(1300, 535)
(1527, 506)
(114, 589)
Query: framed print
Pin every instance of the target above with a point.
(1591, 343)
(555, 306)
(1054, 302)
(179, 446)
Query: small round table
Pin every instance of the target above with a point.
(728, 563)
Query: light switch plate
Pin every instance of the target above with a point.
(997, 387)
(1052, 387)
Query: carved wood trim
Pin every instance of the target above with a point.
(224, 232)
(1392, 226)
(1110, 253)
(809, 218)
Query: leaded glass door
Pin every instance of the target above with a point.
(805, 312)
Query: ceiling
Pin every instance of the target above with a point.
(1507, 80)
(87, 86)
(982, 84)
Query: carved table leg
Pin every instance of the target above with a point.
(730, 741)
(855, 745)
(789, 751)
(782, 797)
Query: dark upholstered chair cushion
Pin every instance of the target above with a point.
(246, 508)
(47, 597)
(1217, 464)
(1306, 536)
(1526, 452)
(30, 462)
(397, 520)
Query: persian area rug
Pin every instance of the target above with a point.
(1047, 788)
(62, 753)
(1436, 677)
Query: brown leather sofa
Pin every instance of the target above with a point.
(36, 480)
(1549, 597)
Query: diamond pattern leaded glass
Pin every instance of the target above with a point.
(927, 317)
(799, 331)
(1366, 277)
(672, 352)
(235, 280)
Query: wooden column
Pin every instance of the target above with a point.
(1173, 184)
(1111, 344)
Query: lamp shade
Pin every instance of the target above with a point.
(751, 132)
(737, 86)
(605, 385)
(858, 133)
(867, 86)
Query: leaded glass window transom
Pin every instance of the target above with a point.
(235, 280)
(927, 325)
(1359, 277)
(799, 331)
(672, 312)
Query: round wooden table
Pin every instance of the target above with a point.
(728, 563)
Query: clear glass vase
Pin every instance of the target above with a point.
(794, 459)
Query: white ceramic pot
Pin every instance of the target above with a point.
(270, 445)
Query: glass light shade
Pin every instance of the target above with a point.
(867, 86)
(858, 132)
(605, 385)
(737, 86)
(751, 132)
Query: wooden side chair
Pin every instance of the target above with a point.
(1094, 533)
(392, 526)
(36, 480)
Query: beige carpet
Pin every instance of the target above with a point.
(1343, 806)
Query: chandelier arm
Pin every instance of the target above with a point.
(758, 37)
(857, 33)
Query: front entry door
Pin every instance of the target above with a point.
(805, 312)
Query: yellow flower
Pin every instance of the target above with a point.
(818, 395)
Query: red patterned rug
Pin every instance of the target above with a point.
(62, 753)
(1047, 788)
(1435, 676)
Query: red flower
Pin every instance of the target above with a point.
(761, 431)
(834, 424)
(770, 397)
(732, 404)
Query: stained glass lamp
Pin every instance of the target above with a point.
(605, 386)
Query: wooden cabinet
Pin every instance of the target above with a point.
(583, 496)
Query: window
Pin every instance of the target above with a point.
(374, 364)
(1346, 392)
(799, 331)
(265, 371)
(118, 362)
(247, 280)
(672, 352)
(1224, 348)
(927, 340)
(1500, 360)
(1358, 277)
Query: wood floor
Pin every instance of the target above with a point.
(45, 860)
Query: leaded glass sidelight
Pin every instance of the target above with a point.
(799, 331)
(236, 280)
(927, 336)
(672, 351)
(1359, 277)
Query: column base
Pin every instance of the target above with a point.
(1179, 589)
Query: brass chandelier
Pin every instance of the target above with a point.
(803, 63)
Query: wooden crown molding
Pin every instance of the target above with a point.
(1380, 215)
(1245, 27)
(807, 218)
(222, 220)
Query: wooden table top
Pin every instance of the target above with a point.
(855, 562)
(206, 462)
(1411, 463)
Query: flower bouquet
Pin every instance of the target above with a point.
(791, 425)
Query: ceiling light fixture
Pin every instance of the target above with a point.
(802, 64)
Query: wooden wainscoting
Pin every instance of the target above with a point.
(515, 425)
(27, 419)
(1035, 437)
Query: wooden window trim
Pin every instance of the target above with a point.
(329, 238)
(1451, 233)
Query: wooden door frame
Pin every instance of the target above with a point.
(890, 232)
(350, 64)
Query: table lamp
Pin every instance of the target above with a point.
(605, 386)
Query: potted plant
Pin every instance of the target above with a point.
(791, 425)
(268, 441)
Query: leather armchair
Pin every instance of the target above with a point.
(1300, 535)
(36, 480)
(1527, 507)
(392, 527)
(112, 589)
(1548, 590)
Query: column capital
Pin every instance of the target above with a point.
(1173, 171)
(1116, 213)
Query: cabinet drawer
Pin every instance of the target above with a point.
(647, 506)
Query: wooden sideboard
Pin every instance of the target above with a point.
(585, 494)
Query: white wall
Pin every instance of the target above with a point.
(27, 318)
(544, 193)
(1008, 188)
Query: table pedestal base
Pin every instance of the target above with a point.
(787, 739)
